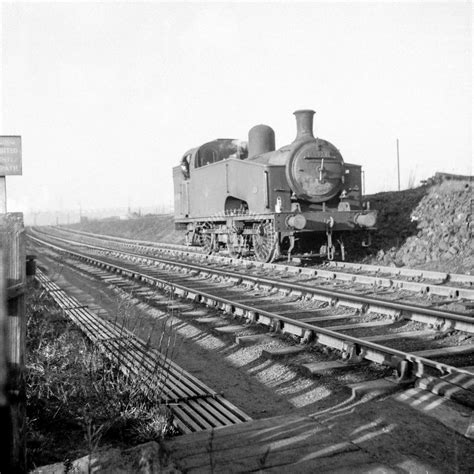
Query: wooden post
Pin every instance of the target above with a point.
(14, 263)
(4, 400)
(398, 166)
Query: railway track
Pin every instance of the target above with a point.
(416, 340)
(386, 279)
(333, 274)
(429, 295)
(144, 245)
(333, 268)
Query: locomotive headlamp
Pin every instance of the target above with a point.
(297, 221)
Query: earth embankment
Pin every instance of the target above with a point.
(429, 227)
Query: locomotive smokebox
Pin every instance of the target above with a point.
(304, 124)
(261, 140)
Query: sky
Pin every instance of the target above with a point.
(108, 96)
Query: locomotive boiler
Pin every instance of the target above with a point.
(254, 200)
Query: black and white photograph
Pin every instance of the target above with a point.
(236, 236)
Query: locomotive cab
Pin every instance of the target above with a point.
(218, 150)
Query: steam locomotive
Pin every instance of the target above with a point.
(256, 201)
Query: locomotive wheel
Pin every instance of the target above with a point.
(264, 242)
(205, 240)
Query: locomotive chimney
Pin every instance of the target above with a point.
(304, 124)
(261, 140)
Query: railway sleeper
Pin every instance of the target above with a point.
(284, 291)
(325, 274)
(369, 280)
(192, 296)
(292, 329)
(435, 323)
(449, 326)
(326, 299)
(296, 294)
(248, 283)
(329, 341)
(292, 270)
(447, 389)
(354, 353)
(265, 320)
(394, 314)
(359, 307)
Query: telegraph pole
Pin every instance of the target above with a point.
(398, 165)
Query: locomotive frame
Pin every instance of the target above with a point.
(253, 199)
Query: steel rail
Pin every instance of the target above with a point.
(464, 323)
(132, 242)
(377, 269)
(408, 272)
(352, 346)
(333, 294)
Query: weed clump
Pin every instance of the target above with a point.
(77, 401)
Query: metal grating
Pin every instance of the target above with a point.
(196, 407)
